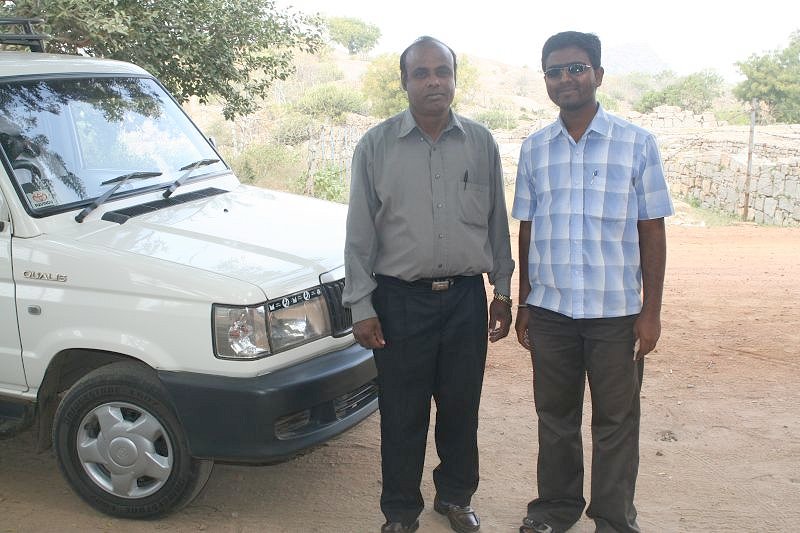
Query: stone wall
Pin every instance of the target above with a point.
(709, 168)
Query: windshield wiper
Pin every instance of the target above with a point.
(189, 169)
(120, 181)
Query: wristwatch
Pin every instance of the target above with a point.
(503, 298)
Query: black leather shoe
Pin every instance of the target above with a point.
(532, 526)
(398, 527)
(462, 519)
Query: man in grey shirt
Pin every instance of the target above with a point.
(427, 218)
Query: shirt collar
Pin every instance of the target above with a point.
(601, 123)
(408, 124)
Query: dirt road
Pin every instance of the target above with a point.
(720, 430)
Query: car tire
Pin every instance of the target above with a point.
(121, 447)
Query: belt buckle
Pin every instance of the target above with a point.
(440, 285)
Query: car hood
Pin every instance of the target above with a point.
(277, 241)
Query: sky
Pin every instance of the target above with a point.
(687, 35)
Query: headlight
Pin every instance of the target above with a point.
(240, 332)
(259, 331)
(297, 319)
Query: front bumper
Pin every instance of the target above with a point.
(271, 417)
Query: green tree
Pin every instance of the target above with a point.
(467, 82)
(695, 92)
(355, 35)
(230, 49)
(630, 87)
(382, 88)
(774, 80)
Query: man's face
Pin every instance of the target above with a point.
(571, 92)
(429, 79)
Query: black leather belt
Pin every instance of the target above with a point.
(441, 284)
(433, 284)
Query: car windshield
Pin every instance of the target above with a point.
(69, 140)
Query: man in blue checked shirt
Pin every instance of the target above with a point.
(591, 199)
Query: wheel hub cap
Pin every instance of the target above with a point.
(123, 451)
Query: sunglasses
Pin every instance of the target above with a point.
(574, 69)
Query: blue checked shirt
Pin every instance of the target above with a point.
(584, 200)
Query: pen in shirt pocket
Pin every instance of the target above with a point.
(466, 175)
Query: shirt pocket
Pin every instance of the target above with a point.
(474, 203)
(609, 196)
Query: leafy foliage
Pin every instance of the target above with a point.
(695, 92)
(354, 34)
(733, 116)
(632, 86)
(327, 183)
(774, 79)
(610, 102)
(381, 86)
(268, 165)
(332, 101)
(497, 119)
(231, 49)
(293, 129)
(467, 82)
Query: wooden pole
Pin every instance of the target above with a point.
(749, 160)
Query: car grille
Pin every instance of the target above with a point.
(309, 420)
(292, 425)
(355, 400)
(341, 318)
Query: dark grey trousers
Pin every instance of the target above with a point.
(566, 352)
(435, 348)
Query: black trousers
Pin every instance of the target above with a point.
(566, 353)
(435, 348)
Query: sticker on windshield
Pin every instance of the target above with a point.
(41, 199)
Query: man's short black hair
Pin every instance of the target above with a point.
(425, 39)
(588, 42)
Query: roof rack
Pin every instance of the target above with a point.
(27, 37)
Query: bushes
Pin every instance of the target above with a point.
(609, 102)
(381, 85)
(327, 183)
(497, 119)
(268, 165)
(331, 101)
(293, 129)
(695, 92)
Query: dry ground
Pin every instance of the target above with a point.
(720, 434)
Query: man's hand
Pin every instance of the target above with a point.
(653, 251)
(499, 320)
(521, 327)
(647, 330)
(368, 333)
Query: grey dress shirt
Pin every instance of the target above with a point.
(423, 209)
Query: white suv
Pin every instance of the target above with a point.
(156, 314)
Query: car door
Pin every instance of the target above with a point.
(12, 376)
